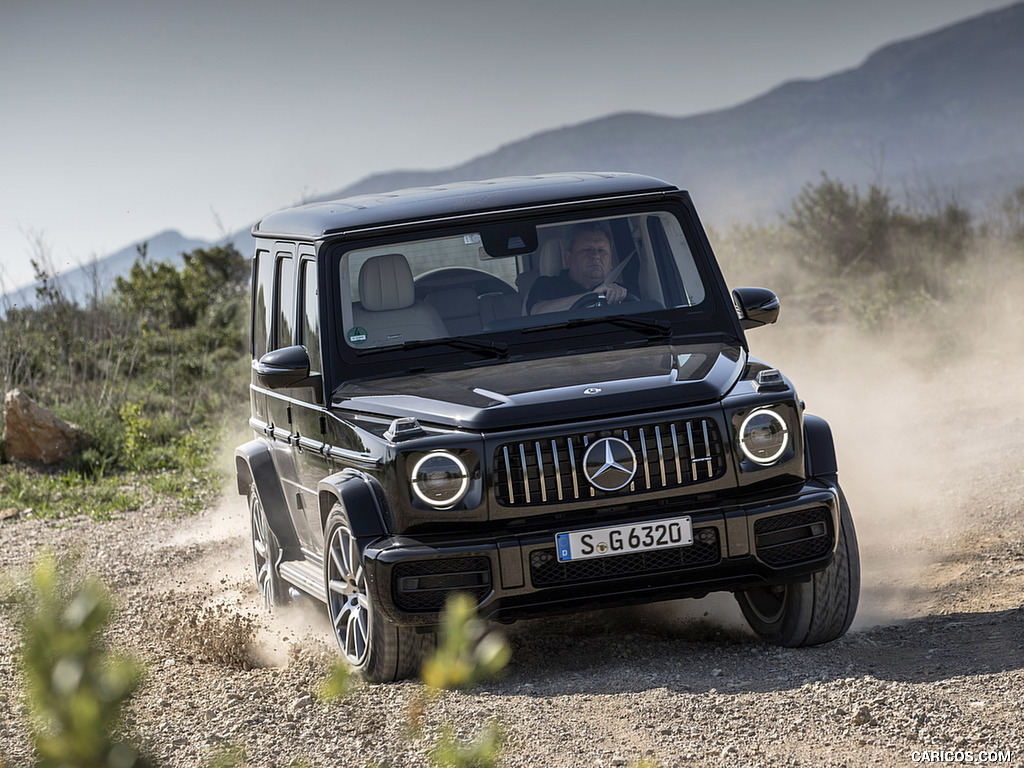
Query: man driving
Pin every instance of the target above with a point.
(588, 261)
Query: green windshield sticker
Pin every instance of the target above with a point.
(356, 335)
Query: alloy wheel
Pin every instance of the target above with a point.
(347, 599)
(767, 603)
(262, 552)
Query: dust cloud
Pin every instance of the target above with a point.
(922, 415)
(223, 573)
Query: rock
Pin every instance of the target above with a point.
(9, 514)
(32, 433)
(863, 716)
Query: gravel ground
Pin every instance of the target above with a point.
(935, 661)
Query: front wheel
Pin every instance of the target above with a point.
(377, 649)
(812, 612)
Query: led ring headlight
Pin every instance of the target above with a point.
(764, 436)
(440, 479)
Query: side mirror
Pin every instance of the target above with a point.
(756, 307)
(287, 367)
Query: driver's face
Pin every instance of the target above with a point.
(590, 259)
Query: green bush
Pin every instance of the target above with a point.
(146, 373)
(76, 688)
(843, 234)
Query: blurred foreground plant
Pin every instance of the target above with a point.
(76, 688)
(484, 752)
(466, 654)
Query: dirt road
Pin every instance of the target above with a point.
(931, 462)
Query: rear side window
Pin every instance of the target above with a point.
(261, 315)
(284, 302)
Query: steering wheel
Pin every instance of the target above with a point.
(599, 300)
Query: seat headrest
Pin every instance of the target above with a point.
(549, 257)
(385, 283)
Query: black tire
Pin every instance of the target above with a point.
(377, 649)
(813, 612)
(266, 555)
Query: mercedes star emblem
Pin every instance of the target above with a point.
(609, 464)
(591, 390)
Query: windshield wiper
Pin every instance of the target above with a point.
(493, 348)
(655, 329)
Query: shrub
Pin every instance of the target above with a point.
(76, 688)
(844, 234)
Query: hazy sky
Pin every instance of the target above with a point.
(122, 119)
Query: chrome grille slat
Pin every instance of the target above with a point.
(586, 442)
(508, 476)
(625, 436)
(558, 469)
(675, 451)
(526, 474)
(647, 469)
(661, 454)
(572, 461)
(558, 466)
(543, 480)
(707, 447)
(689, 439)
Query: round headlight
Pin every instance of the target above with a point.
(440, 479)
(764, 436)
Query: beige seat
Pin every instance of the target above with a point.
(459, 308)
(547, 262)
(388, 308)
(495, 307)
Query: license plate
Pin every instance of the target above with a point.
(622, 539)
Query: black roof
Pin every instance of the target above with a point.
(351, 213)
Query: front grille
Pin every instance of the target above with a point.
(546, 571)
(424, 585)
(669, 455)
(793, 537)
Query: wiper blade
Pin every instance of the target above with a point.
(493, 348)
(653, 328)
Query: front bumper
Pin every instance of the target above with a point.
(767, 540)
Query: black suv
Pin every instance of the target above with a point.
(536, 391)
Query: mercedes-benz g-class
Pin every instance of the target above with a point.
(536, 391)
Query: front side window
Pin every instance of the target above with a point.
(514, 276)
(310, 315)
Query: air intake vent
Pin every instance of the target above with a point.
(794, 537)
(424, 585)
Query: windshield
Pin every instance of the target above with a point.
(518, 275)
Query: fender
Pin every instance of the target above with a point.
(819, 448)
(362, 498)
(254, 464)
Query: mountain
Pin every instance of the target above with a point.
(938, 112)
(97, 277)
